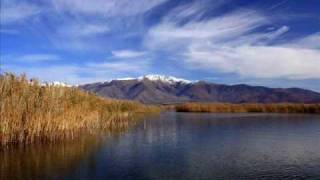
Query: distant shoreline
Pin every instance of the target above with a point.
(247, 108)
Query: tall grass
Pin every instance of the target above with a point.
(32, 112)
(248, 108)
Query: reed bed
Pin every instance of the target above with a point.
(32, 112)
(249, 108)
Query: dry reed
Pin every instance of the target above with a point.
(32, 112)
(248, 108)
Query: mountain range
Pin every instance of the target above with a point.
(158, 89)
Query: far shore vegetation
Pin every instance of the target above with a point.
(248, 108)
(32, 112)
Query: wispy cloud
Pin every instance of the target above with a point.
(118, 67)
(74, 24)
(79, 35)
(107, 7)
(13, 11)
(30, 58)
(73, 73)
(278, 4)
(311, 41)
(84, 30)
(194, 11)
(63, 73)
(258, 61)
(38, 57)
(218, 29)
(128, 54)
(231, 43)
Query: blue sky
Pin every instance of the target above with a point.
(274, 43)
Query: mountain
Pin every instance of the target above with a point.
(167, 89)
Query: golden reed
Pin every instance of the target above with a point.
(32, 112)
(248, 108)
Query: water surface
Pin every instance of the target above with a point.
(182, 146)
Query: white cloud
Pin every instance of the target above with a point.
(107, 7)
(128, 54)
(219, 29)
(123, 66)
(80, 74)
(79, 35)
(88, 20)
(278, 4)
(62, 73)
(30, 58)
(76, 24)
(312, 41)
(71, 73)
(14, 11)
(277, 33)
(194, 11)
(232, 43)
(84, 29)
(258, 61)
(38, 57)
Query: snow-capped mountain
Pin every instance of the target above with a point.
(156, 77)
(168, 89)
(164, 78)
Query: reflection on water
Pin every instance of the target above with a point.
(182, 146)
(40, 161)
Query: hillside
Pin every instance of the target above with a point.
(156, 89)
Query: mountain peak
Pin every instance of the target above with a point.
(164, 78)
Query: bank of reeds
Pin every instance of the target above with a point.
(32, 112)
(248, 108)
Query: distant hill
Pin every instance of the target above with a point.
(157, 89)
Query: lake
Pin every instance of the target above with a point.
(181, 146)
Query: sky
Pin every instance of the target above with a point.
(274, 43)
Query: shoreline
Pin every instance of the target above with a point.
(284, 108)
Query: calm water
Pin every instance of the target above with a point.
(182, 146)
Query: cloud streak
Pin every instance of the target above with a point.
(83, 30)
(234, 43)
(73, 73)
(76, 25)
(32, 58)
(107, 7)
(258, 61)
(13, 11)
(128, 54)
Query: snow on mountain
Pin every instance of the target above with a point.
(126, 79)
(157, 77)
(57, 83)
(168, 89)
(164, 78)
